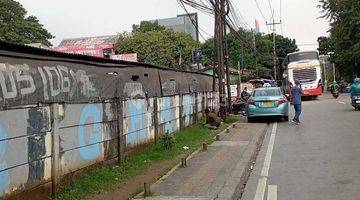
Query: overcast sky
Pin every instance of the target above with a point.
(80, 18)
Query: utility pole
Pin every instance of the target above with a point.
(273, 29)
(219, 10)
(239, 82)
(226, 53)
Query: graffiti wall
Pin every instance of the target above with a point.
(60, 114)
(88, 134)
(25, 148)
(138, 121)
(168, 114)
(188, 109)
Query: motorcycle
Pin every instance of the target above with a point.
(355, 101)
(335, 94)
(335, 91)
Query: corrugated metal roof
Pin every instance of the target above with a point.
(24, 49)
(97, 40)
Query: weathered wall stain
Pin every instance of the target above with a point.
(25, 148)
(36, 145)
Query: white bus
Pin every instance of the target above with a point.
(304, 66)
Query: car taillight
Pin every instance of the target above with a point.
(251, 101)
(282, 100)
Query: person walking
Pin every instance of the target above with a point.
(296, 93)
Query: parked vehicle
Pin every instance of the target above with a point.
(335, 94)
(304, 66)
(267, 102)
(335, 90)
(355, 102)
(238, 106)
(355, 94)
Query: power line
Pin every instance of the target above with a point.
(192, 21)
(237, 11)
(262, 14)
(271, 9)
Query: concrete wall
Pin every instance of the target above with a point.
(138, 121)
(42, 145)
(25, 148)
(87, 134)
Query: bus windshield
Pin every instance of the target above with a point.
(303, 56)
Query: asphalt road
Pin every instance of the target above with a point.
(319, 159)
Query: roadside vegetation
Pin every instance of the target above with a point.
(109, 177)
(343, 44)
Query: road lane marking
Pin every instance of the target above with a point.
(267, 161)
(260, 190)
(341, 102)
(272, 192)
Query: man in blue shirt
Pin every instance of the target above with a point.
(355, 88)
(296, 93)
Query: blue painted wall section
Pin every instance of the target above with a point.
(89, 114)
(166, 115)
(187, 105)
(87, 135)
(138, 129)
(4, 175)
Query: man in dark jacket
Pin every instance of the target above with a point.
(296, 93)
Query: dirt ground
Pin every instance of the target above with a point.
(130, 188)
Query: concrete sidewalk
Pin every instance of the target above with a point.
(216, 173)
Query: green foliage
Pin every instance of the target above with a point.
(15, 26)
(146, 26)
(157, 46)
(108, 178)
(344, 18)
(260, 64)
(324, 45)
(167, 141)
(283, 47)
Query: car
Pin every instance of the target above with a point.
(267, 102)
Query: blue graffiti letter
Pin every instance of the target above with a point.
(187, 108)
(89, 112)
(138, 132)
(166, 115)
(4, 174)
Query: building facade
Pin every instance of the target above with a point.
(182, 23)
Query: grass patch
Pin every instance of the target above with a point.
(108, 178)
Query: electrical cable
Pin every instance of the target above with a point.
(262, 14)
(192, 21)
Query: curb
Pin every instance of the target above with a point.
(233, 187)
(141, 194)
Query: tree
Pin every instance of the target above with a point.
(157, 46)
(324, 45)
(16, 27)
(283, 47)
(146, 26)
(261, 61)
(344, 18)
